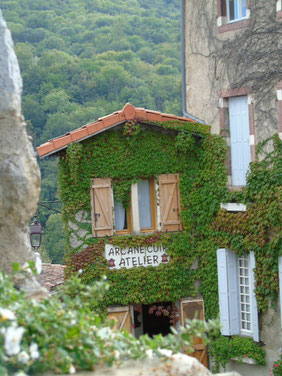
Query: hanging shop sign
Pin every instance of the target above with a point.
(129, 257)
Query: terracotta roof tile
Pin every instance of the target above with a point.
(62, 141)
(78, 134)
(128, 112)
(52, 275)
(94, 127)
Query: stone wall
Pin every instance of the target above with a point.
(19, 172)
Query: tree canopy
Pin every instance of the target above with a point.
(83, 59)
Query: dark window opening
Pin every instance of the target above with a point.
(156, 318)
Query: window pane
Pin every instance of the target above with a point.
(144, 201)
(231, 9)
(120, 216)
(244, 8)
(244, 294)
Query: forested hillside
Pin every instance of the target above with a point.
(83, 59)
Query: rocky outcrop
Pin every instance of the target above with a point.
(19, 172)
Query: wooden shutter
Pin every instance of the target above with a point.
(190, 309)
(255, 322)
(102, 207)
(280, 284)
(239, 139)
(170, 202)
(227, 272)
(122, 317)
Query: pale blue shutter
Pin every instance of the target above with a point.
(228, 291)
(255, 322)
(280, 285)
(239, 139)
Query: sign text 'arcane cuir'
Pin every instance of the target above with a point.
(149, 255)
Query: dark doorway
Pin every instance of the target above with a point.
(156, 318)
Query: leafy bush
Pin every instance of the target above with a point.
(62, 334)
(277, 367)
(223, 349)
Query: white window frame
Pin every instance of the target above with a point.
(244, 284)
(229, 295)
(240, 17)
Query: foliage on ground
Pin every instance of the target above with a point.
(63, 334)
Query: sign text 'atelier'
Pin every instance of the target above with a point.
(151, 255)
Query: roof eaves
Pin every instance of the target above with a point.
(54, 151)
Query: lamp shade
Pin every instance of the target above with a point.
(35, 230)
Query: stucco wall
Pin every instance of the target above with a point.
(80, 229)
(247, 57)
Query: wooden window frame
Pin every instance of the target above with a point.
(153, 207)
(128, 230)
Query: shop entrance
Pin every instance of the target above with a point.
(153, 319)
(157, 318)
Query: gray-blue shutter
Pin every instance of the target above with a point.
(227, 271)
(239, 139)
(280, 284)
(255, 322)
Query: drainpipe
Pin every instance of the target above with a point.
(185, 113)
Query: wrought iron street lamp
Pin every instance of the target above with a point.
(36, 231)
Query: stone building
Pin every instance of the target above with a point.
(232, 80)
(145, 201)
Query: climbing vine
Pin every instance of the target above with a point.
(134, 152)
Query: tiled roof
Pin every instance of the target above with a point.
(52, 275)
(128, 112)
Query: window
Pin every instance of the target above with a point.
(122, 218)
(244, 294)
(143, 215)
(146, 204)
(237, 301)
(239, 138)
(236, 10)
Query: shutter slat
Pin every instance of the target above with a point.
(255, 321)
(223, 291)
(190, 309)
(233, 293)
(170, 202)
(121, 316)
(102, 207)
(239, 139)
(227, 273)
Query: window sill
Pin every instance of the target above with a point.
(236, 188)
(245, 360)
(233, 26)
(237, 20)
(233, 207)
(122, 232)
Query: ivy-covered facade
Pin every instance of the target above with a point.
(135, 151)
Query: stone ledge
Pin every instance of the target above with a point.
(245, 360)
(175, 365)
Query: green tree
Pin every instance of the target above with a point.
(53, 239)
